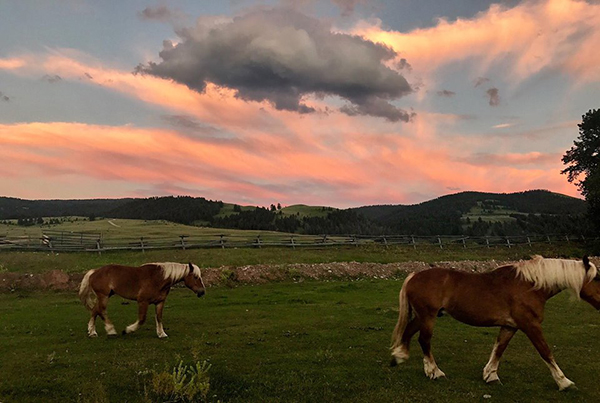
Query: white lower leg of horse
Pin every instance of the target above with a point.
(431, 368)
(159, 330)
(92, 327)
(133, 327)
(110, 328)
(561, 380)
(490, 371)
(400, 354)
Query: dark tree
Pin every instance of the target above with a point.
(583, 162)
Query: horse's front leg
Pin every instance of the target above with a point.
(534, 332)
(490, 372)
(160, 331)
(142, 310)
(425, 334)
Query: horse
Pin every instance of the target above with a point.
(146, 284)
(511, 297)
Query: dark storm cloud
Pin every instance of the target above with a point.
(481, 80)
(3, 97)
(494, 96)
(51, 79)
(446, 93)
(281, 55)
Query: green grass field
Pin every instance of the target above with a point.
(306, 211)
(288, 342)
(38, 262)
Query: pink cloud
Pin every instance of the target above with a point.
(534, 35)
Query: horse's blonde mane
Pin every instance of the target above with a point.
(177, 271)
(556, 274)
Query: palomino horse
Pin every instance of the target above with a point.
(511, 297)
(147, 284)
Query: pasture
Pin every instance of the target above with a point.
(308, 341)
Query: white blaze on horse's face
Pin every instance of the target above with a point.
(193, 280)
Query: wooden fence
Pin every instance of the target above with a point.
(62, 241)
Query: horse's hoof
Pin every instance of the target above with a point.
(393, 362)
(93, 335)
(123, 333)
(569, 388)
(112, 336)
(494, 382)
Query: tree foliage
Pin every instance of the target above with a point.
(583, 162)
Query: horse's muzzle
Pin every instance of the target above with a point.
(201, 293)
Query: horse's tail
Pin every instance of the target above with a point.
(87, 295)
(399, 352)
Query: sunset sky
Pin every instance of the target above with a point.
(331, 102)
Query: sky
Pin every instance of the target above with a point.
(324, 102)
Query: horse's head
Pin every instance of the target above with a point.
(193, 280)
(590, 292)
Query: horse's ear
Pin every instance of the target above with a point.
(586, 262)
(191, 266)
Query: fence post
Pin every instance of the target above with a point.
(548, 238)
(354, 240)
(412, 240)
(385, 242)
(440, 242)
(508, 242)
(529, 241)
(324, 238)
(292, 241)
(98, 246)
(567, 238)
(464, 244)
(222, 242)
(487, 241)
(142, 244)
(182, 241)
(258, 241)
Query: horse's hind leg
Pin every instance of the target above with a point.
(402, 352)
(92, 325)
(101, 311)
(142, 309)
(425, 334)
(490, 371)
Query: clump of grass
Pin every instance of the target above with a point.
(183, 384)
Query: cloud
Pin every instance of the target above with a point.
(404, 65)
(503, 126)
(347, 6)
(11, 64)
(51, 78)
(446, 93)
(162, 14)
(532, 36)
(494, 96)
(3, 97)
(481, 80)
(283, 56)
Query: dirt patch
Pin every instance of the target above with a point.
(257, 274)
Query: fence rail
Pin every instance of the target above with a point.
(62, 241)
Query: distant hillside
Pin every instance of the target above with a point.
(14, 208)
(466, 213)
(478, 213)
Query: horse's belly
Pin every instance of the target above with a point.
(480, 314)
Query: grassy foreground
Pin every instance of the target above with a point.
(310, 341)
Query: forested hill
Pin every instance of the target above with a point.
(478, 213)
(466, 213)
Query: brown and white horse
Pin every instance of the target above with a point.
(147, 284)
(511, 297)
